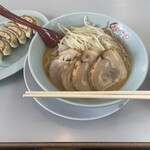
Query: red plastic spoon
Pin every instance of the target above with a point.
(50, 37)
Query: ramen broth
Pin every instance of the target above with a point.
(47, 57)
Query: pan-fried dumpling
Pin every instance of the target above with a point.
(9, 36)
(17, 32)
(1, 57)
(28, 31)
(13, 33)
(5, 47)
(31, 19)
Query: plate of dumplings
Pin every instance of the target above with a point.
(15, 40)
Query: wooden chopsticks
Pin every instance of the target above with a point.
(91, 94)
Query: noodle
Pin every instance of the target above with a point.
(82, 38)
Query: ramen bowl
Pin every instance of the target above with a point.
(131, 40)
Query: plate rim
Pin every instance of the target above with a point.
(118, 105)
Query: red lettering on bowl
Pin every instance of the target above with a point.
(116, 29)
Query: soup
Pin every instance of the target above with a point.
(87, 58)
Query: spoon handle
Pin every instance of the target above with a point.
(6, 13)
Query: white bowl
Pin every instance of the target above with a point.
(135, 46)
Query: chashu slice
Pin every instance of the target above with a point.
(107, 70)
(82, 67)
(66, 76)
(57, 65)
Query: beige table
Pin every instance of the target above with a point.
(24, 123)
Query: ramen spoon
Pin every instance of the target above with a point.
(50, 37)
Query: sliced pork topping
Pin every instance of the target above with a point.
(82, 67)
(107, 70)
(58, 64)
(66, 76)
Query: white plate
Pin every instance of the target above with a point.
(66, 110)
(14, 62)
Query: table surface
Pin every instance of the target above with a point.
(24, 120)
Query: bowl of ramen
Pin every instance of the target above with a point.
(96, 53)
